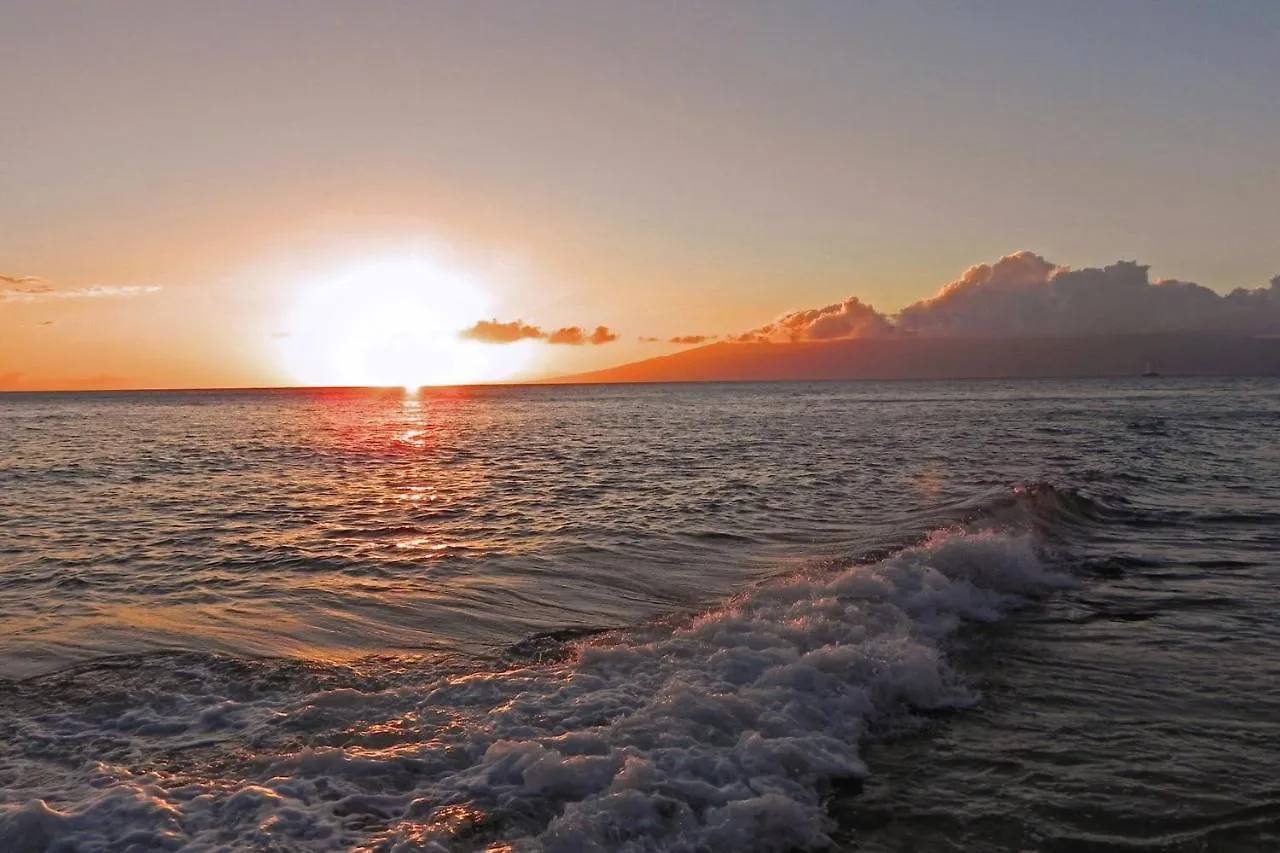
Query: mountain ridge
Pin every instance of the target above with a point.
(919, 357)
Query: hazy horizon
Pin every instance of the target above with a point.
(1088, 357)
(1018, 297)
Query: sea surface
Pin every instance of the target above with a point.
(968, 616)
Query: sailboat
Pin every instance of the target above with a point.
(1149, 371)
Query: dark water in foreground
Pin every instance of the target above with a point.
(873, 616)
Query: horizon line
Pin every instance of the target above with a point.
(394, 389)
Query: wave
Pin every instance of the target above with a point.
(1044, 508)
(726, 730)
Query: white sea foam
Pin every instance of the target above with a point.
(724, 732)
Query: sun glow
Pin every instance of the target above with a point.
(394, 322)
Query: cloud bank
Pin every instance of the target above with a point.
(1023, 294)
(497, 332)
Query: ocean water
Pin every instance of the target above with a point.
(835, 616)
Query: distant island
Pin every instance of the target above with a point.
(910, 357)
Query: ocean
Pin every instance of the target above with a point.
(899, 616)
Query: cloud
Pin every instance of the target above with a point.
(110, 292)
(570, 336)
(32, 289)
(603, 335)
(649, 339)
(752, 337)
(577, 336)
(851, 318)
(691, 339)
(23, 288)
(494, 332)
(1023, 294)
(20, 280)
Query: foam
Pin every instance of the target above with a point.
(724, 731)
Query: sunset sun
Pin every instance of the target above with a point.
(392, 322)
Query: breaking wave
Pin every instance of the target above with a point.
(723, 731)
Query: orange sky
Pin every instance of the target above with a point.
(661, 171)
(231, 276)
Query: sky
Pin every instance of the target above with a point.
(322, 192)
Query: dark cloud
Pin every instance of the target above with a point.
(649, 339)
(45, 323)
(1023, 294)
(495, 332)
(691, 339)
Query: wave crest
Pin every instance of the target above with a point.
(724, 732)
